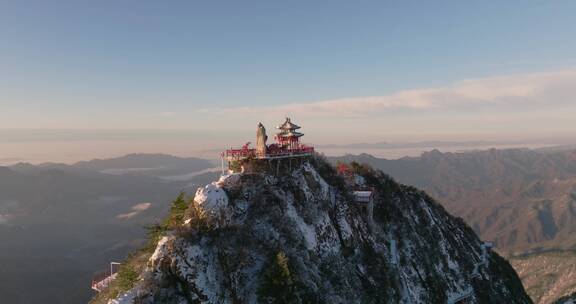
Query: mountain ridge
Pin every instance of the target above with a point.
(305, 228)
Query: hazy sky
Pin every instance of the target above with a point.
(347, 71)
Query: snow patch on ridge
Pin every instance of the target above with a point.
(324, 187)
(160, 251)
(345, 228)
(327, 236)
(213, 200)
(229, 181)
(199, 267)
(308, 232)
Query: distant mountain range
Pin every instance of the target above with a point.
(61, 223)
(547, 145)
(159, 165)
(420, 144)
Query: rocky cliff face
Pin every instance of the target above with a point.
(299, 237)
(522, 200)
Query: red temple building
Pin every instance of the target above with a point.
(288, 136)
(287, 145)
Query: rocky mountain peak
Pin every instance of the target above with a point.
(302, 236)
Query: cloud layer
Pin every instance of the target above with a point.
(547, 88)
(136, 209)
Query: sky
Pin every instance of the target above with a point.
(347, 71)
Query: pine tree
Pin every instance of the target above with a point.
(278, 286)
(177, 211)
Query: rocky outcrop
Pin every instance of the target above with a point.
(298, 237)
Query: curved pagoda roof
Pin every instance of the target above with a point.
(288, 125)
(290, 134)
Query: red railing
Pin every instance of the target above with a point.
(244, 153)
(293, 151)
(239, 153)
(102, 279)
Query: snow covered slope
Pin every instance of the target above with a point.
(298, 237)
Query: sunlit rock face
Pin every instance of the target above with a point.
(299, 237)
(212, 203)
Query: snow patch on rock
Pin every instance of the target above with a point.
(309, 232)
(200, 270)
(160, 251)
(345, 229)
(230, 180)
(327, 236)
(211, 198)
(324, 187)
(125, 298)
